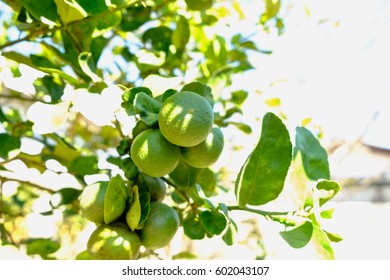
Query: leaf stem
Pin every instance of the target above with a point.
(257, 211)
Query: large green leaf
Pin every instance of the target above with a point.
(128, 98)
(9, 145)
(314, 156)
(115, 199)
(299, 236)
(84, 165)
(135, 16)
(158, 37)
(261, 178)
(199, 5)
(70, 11)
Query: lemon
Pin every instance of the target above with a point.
(156, 186)
(185, 119)
(160, 226)
(207, 152)
(113, 242)
(153, 154)
(92, 202)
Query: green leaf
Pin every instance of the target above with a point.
(207, 181)
(328, 189)
(273, 102)
(88, 66)
(184, 256)
(64, 196)
(299, 183)
(70, 11)
(193, 227)
(115, 199)
(201, 89)
(135, 16)
(228, 236)
(241, 126)
(314, 156)
(321, 240)
(334, 237)
(54, 90)
(42, 62)
(133, 216)
(144, 198)
(45, 10)
(42, 247)
(327, 214)
(128, 98)
(84, 165)
(9, 146)
(184, 176)
(181, 34)
(261, 178)
(147, 107)
(299, 236)
(213, 221)
(272, 8)
(239, 96)
(199, 5)
(158, 37)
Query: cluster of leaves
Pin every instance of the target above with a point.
(82, 48)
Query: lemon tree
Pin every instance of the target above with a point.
(119, 105)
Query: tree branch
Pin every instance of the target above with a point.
(39, 187)
(256, 211)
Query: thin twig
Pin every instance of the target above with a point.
(39, 187)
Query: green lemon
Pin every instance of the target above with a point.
(113, 242)
(153, 154)
(92, 202)
(156, 186)
(160, 226)
(207, 152)
(185, 119)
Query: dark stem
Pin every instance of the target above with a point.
(39, 187)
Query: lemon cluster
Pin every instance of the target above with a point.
(114, 238)
(185, 131)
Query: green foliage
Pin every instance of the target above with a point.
(104, 70)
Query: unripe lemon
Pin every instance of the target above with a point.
(113, 242)
(160, 226)
(185, 119)
(153, 154)
(92, 202)
(207, 152)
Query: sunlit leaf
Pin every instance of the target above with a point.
(321, 241)
(115, 199)
(261, 178)
(42, 247)
(46, 11)
(299, 236)
(133, 215)
(181, 34)
(70, 11)
(129, 96)
(314, 156)
(328, 189)
(84, 165)
(88, 66)
(334, 237)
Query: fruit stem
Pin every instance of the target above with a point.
(256, 211)
(169, 182)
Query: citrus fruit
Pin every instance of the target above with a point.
(185, 119)
(92, 202)
(113, 242)
(207, 152)
(160, 226)
(153, 154)
(156, 186)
